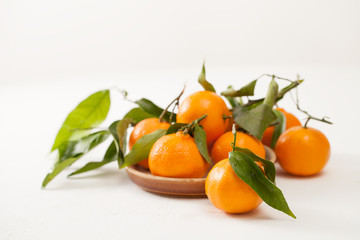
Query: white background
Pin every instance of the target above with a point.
(53, 54)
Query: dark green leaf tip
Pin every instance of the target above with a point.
(203, 82)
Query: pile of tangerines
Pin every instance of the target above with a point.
(300, 150)
(206, 138)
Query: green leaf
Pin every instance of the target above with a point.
(279, 129)
(272, 93)
(175, 127)
(200, 140)
(246, 169)
(232, 100)
(247, 90)
(81, 146)
(269, 167)
(118, 130)
(57, 169)
(137, 115)
(204, 83)
(88, 114)
(142, 147)
(279, 96)
(149, 107)
(70, 152)
(110, 156)
(255, 120)
(286, 89)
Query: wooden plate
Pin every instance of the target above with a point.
(186, 187)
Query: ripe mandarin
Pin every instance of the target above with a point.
(228, 192)
(302, 151)
(144, 127)
(205, 102)
(176, 155)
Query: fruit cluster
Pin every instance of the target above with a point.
(205, 138)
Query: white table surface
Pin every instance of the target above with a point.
(105, 204)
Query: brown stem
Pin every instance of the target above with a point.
(176, 101)
(308, 114)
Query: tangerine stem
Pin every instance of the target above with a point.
(234, 132)
(187, 128)
(177, 99)
(308, 114)
(124, 93)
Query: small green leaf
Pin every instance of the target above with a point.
(118, 130)
(246, 169)
(204, 83)
(200, 140)
(269, 167)
(255, 120)
(88, 114)
(142, 147)
(232, 100)
(175, 127)
(152, 109)
(110, 156)
(247, 90)
(272, 93)
(70, 152)
(121, 129)
(279, 129)
(137, 115)
(286, 89)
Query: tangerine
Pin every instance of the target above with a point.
(205, 102)
(176, 155)
(144, 127)
(222, 146)
(291, 121)
(228, 192)
(302, 151)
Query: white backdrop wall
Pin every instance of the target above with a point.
(41, 39)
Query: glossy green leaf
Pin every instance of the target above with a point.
(269, 167)
(175, 127)
(88, 114)
(70, 152)
(246, 169)
(118, 130)
(279, 128)
(110, 156)
(200, 140)
(204, 83)
(142, 147)
(137, 115)
(247, 90)
(256, 120)
(152, 109)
